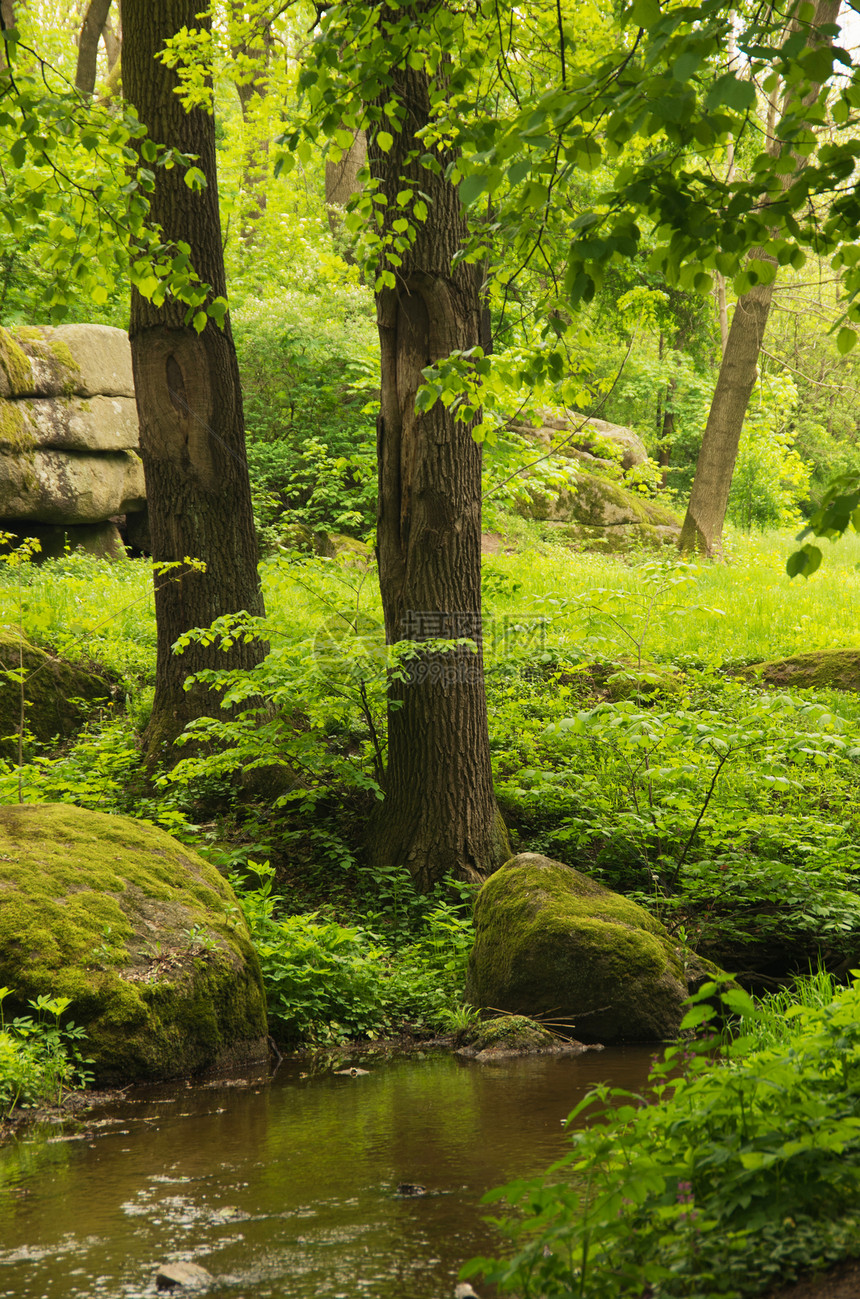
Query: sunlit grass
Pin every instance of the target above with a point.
(745, 609)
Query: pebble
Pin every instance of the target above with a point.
(188, 1276)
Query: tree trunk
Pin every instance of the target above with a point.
(341, 182)
(189, 399)
(88, 44)
(709, 497)
(7, 22)
(439, 814)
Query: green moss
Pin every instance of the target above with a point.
(511, 1032)
(75, 883)
(820, 670)
(551, 940)
(29, 333)
(15, 364)
(14, 433)
(68, 364)
(56, 693)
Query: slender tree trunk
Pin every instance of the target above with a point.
(7, 22)
(709, 497)
(341, 182)
(189, 398)
(439, 814)
(88, 44)
(257, 50)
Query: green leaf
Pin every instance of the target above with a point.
(845, 340)
(803, 562)
(385, 140)
(472, 188)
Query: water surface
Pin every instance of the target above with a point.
(288, 1188)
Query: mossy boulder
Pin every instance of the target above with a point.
(551, 941)
(819, 670)
(505, 1036)
(142, 935)
(57, 694)
(596, 512)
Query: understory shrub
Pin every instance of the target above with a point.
(40, 1058)
(328, 982)
(737, 1173)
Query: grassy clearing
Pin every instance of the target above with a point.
(745, 610)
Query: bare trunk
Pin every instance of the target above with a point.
(341, 182)
(439, 815)
(88, 44)
(709, 498)
(189, 399)
(251, 94)
(7, 22)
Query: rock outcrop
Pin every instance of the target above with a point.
(597, 513)
(550, 941)
(837, 669)
(57, 694)
(143, 936)
(68, 434)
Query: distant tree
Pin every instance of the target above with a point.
(709, 496)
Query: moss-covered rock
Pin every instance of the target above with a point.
(549, 940)
(57, 694)
(819, 670)
(142, 935)
(593, 512)
(512, 1035)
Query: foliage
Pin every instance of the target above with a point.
(308, 374)
(40, 1058)
(770, 479)
(719, 1182)
(326, 981)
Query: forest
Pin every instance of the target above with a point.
(460, 680)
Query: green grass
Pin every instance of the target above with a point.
(763, 614)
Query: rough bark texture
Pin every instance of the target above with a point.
(88, 44)
(189, 399)
(709, 497)
(439, 814)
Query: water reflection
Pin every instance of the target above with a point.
(289, 1188)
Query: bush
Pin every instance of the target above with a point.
(735, 1175)
(39, 1058)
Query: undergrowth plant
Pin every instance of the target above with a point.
(732, 1173)
(329, 982)
(40, 1057)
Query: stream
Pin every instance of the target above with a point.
(287, 1187)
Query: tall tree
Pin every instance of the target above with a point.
(189, 399)
(709, 497)
(439, 814)
(92, 28)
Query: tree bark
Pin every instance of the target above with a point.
(439, 815)
(7, 22)
(189, 399)
(709, 497)
(88, 44)
(341, 182)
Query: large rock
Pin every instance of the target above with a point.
(596, 437)
(69, 424)
(59, 487)
(551, 941)
(594, 512)
(70, 360)
(820, 670)
(68, 429)
(57, 694)
(142, 935)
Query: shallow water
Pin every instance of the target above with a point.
(288, 1187)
